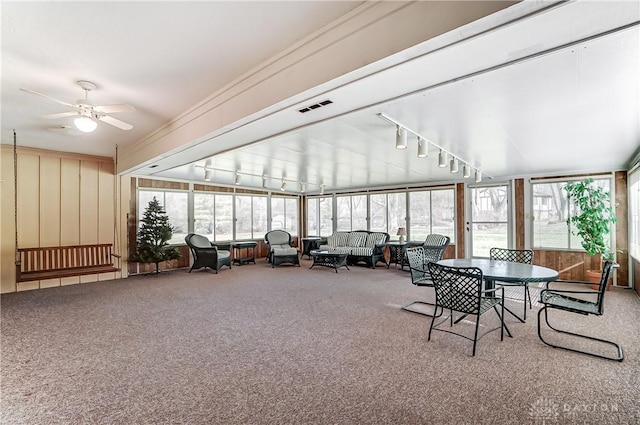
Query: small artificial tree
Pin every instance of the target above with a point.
(593, 216)
(153, 236)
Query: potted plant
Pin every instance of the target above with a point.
(592, 218)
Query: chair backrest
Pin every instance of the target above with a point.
(607, 269)
(195, 241)
(435, 239)
(417, 265)
(514, 255)
(457, 288)
(278, 237)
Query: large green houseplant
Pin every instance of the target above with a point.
(592, 217)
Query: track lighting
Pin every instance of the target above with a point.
(237, 179)
(207, 175)
(422, 148)
(321, 189)
(466, 171)
(264, 182)
(442, 159)
(478, 176)
(401, 138)
(283, 186)
(302, 187)
(453, 165)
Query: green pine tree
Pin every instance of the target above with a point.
(153, 236)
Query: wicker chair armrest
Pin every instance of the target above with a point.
(566, 291)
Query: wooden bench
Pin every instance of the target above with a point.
(64, 261)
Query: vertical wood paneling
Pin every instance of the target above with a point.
(7, 241)
(70, 208)
(622, 228)
(49, 209)
(460, 223)
(106, 218)
(89, 208)
(519, 212)
(28, 207)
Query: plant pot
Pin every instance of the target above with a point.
(594, 276)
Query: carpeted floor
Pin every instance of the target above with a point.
(256, 345)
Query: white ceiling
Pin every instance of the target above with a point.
(556, 93)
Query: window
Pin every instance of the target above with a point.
(550, 212)
(351, 213)
(213, 216)
(489, 219)
(251, 217)
(431, 211)
(319, 216)
(284, 214)
(175, 204)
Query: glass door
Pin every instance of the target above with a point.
(489, 219)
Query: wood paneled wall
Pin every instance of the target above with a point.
(63, 199)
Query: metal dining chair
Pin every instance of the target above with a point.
(524, 256)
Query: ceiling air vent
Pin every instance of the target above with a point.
(315, 106)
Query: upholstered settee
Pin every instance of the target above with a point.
(361, 246)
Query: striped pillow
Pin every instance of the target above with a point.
(375, 238)
(357, 239)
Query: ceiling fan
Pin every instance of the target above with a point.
(87, 113)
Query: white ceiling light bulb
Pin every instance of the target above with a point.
(401, 138)
(442, 159)
(466, 171)
(453, 166)
(85, 124)
(422, 148)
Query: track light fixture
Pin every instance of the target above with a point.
(422, 148)
(442, 159)
(321, 189)
(401, 138)
(453, 165)
(264, 182)
(237, 179)
(478, 176)
(283, 186)
(466, 171)
(302, 187)
(207, 175)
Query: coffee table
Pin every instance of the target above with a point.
(332, 259)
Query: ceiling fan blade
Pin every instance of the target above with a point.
(115, 122)
(60, 115)
(49, 97)
(110, 109)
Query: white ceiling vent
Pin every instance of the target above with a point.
(315, 106)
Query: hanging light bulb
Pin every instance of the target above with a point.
(401, 138)
(478, 176)
(85, 124)
(466, 171)
(422, 148)
(442, 159)
(453, 165)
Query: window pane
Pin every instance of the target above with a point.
(326, 223)
(177, 208)
(203, 214)
(223, 213)
(634, 213)
(487, 236)
(343, 211)
(291, 216)
(490, 203)
(549, 207)
(397, 211)
(313, 227)
(359, 212)
(277, 214)
(243, 217)
(378, 213)
(420, 214)
(259, 217)
(443, 213)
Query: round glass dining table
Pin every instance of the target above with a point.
(504, 271)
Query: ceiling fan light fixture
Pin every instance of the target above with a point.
(85, 124)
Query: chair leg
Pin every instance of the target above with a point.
(618, 358)
(475, 336)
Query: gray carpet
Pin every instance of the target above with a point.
(256, 345)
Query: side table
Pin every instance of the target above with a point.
(249, 249)
(397, 252)
(309, 244)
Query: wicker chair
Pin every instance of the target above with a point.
(280, 248)
(418, 258)
(205, 254)
(567, 300)
(460, 289)
(516, 256)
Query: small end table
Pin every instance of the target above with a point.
(309, 244)
(397, 252)
(249, 248)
